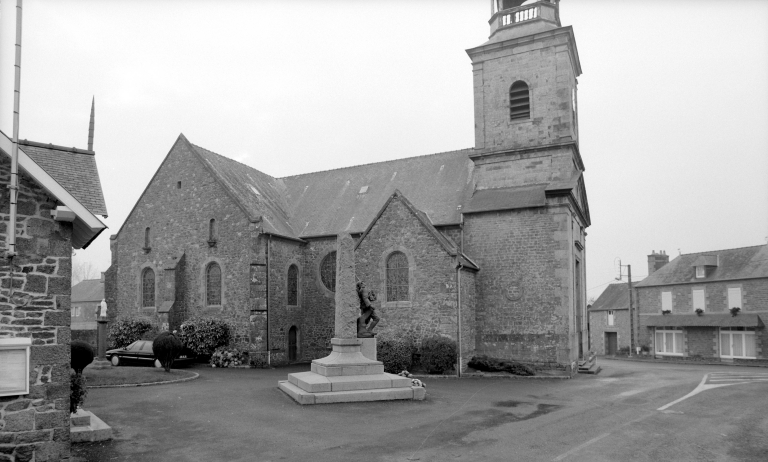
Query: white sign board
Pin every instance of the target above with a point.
(14, 366)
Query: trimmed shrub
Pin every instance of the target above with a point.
(77, 391)
(438, 354)
(166, 348)
(487, 364)
(81, 355)
(395, 350)
(204, 335)
(229, 357)
(125, 331)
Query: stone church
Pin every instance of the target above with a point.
(485, 245)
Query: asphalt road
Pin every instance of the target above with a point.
(240, 415)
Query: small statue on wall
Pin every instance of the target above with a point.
(368, 319)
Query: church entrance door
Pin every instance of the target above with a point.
(292, 344)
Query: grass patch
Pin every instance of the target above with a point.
(132, 375)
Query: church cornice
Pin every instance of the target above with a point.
(491, 46)
(492, 156)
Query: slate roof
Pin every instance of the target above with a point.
(347, 199)
(486, 200)
(74, 169)
(733, 264)
(614, 297)
(258, 193)
(330, 202)
(88, 290)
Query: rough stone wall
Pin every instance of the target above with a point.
(468, 316)
(431, 307)
(524, 286)
(702, 341)
(754, 296)
(545, 65)
(178, 219)
(598, 326)
(282, 254)
(36, 426)
(318, 303)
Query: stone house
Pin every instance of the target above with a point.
(59, 197)
(698, 292)
(86, 303)
(609, 320)
(485, 245)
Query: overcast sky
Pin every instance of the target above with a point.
(673, 100)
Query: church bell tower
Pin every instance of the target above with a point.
(525, 90)
(526, 219)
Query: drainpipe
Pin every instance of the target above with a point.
(458, 314)
(266, 299)
(14, 186)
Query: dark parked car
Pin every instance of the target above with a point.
(140, 353)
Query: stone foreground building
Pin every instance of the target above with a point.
(59, 197)
(486, 243)
(708, 305)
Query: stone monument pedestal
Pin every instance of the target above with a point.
(346, 375)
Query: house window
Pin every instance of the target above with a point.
(397, 277)
(669, 341)
(519, 101)
(666, 301)
(734, 297)
(293, 285)
(701, 272)
(610, 318)
(148, 287)
(213, 284)
(328, 271)
(737, 342)
(178, 185)
(698, 299)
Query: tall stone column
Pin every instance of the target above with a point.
(347, 303)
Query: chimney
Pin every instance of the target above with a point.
(102, 276)
(657, 260)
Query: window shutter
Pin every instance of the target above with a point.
(734, 297)
(698, 299)
(666, 301)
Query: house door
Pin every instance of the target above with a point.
(611, 343)
(292, 348)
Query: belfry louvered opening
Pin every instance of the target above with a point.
(519, 101)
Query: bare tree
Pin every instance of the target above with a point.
(82, 270)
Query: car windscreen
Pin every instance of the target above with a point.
(147, 347)
(134, 346)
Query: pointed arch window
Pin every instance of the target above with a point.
(293, 285)
(147, 288)
(519, 101)
(397, 277)
(328, 271)
(213, 284)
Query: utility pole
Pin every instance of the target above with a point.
(631, 314)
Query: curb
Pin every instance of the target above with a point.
(485, 376)
(690, 363)
(185, 379)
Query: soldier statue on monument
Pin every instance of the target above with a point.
(368, 312)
